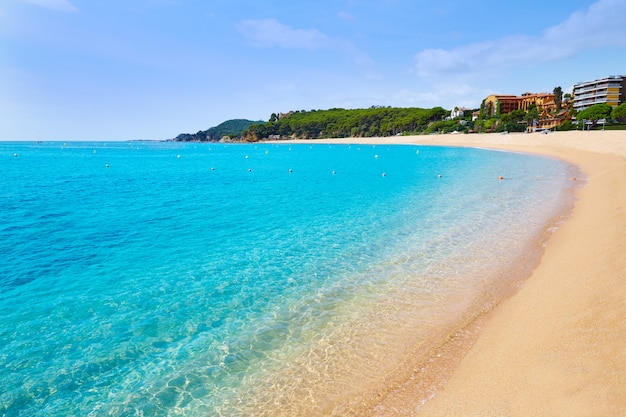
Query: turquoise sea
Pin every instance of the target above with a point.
(163, 279)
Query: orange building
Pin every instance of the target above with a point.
(502, 104)
(499, 104)
(543, 101)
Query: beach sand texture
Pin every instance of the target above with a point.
(558, 346)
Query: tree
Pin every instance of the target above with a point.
(595, 112)
(558, 97)
(619, 113)
(513, 121)
(531, 115)
(489, 124)
(566, 125)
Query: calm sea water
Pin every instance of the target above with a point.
(162, 279)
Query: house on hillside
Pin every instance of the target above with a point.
(283, 115)
(459, 112)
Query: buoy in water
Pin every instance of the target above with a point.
(178, 156)
(384, 175)
(249, 169)
(15, 155)
(573, 178)
(246, 156)
(334, 172)
(375, 156)
(107, 165)
(290, 170)
(500, 177)
(439, 176)
(94, 151)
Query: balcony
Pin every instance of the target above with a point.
(583, 96)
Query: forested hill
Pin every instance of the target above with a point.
(231, 128)
(338, 123)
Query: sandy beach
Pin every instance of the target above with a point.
(558, 346)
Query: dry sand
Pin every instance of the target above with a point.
(558, 346)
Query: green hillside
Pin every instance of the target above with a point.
(232, 128)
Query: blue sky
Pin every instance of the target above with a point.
(151, 69)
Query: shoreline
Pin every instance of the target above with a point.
(556, 346)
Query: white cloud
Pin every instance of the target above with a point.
(58, 5)
(599, 26)
(270, 32)
(345, 16)
(602, 25)
(447, 95)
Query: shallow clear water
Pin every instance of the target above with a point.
(163, 279)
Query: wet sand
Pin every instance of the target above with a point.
(558, 346)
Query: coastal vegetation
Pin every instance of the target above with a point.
(601, 114)
(595, 112)
(619, 113)
(341, 123)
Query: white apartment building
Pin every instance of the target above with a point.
(609, 90)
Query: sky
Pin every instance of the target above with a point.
(151, 69)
